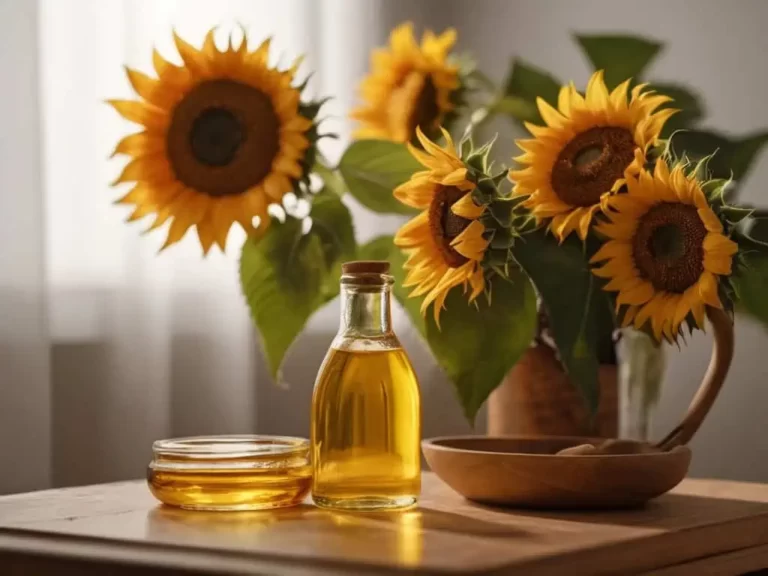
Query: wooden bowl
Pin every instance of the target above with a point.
(526, 472)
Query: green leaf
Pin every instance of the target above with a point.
(744, 152)
(621, 57)
(332, 180)
(332, 224)
(759, 229)
(735, 214)
(575, 304)
(383, 248)
(750, 282)
(523, 85)
(516, 107)
(478, 343)
(731, 156)
(689, 105)
(372, 169)
(286, 275)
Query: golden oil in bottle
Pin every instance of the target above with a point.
(366, 415)
(230, 472)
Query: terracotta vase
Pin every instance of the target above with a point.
(537, 399)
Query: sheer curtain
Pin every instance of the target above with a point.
(107, 345)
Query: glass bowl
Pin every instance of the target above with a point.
(244, 472)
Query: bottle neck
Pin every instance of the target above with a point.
(365, 311)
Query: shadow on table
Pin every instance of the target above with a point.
(667, 512)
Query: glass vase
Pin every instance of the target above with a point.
(642, 362)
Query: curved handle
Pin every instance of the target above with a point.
(719, 363)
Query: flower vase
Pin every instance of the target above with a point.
(641, 370)
(537, 398)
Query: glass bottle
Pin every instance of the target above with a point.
(366, 414)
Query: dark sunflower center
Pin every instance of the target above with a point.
(590, 164)
(668, 246)
(216, 136)
(223, 137)
(425, 109)
(445, 225)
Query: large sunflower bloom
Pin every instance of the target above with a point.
(589, 145)
(445, 242)
(666, 250)
(410, 86)
(224, 136)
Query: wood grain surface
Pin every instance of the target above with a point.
(120, 529)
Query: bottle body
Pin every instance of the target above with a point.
(366, 414)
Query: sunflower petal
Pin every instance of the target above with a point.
(550, 115)
(718, 244)
(708, 290)
(466, 208)
(413, 231)
(139, 144)
(639, 294)
(629, 315)
(141, 113)
(612, 249)
(194, 60)
(717, 263)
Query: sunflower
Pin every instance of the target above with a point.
(224, 136)
(666, 251)
(588, 147)
(445, 242)
(410, 86)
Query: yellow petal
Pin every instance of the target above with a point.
(466, 208)
(550, 115)
(717, 263)
(563, 224)
(450, 146)
(417, 192)
(586, 220)
(140, 144)
(629, 316)
(708, 290)
(297, 124)
(615, 267)
(648, 311)
(194, 60)
(617, 231)
(458, 178)
(698, 313)
(205, 232)
(640, 294)
(564, 100)
(153, 169)
(477, 282)
(597, 92)
(141, 113)
(289, 167)
(623, 282)
(618, 98)
(276, 185)
(148, 88)
(413, 230)
(683, 306)
(719, 244)
(470, 243)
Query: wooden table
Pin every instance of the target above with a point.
(704, 527)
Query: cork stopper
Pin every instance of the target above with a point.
(373, 273)
(365, 267)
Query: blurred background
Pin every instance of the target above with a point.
(106, 346)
